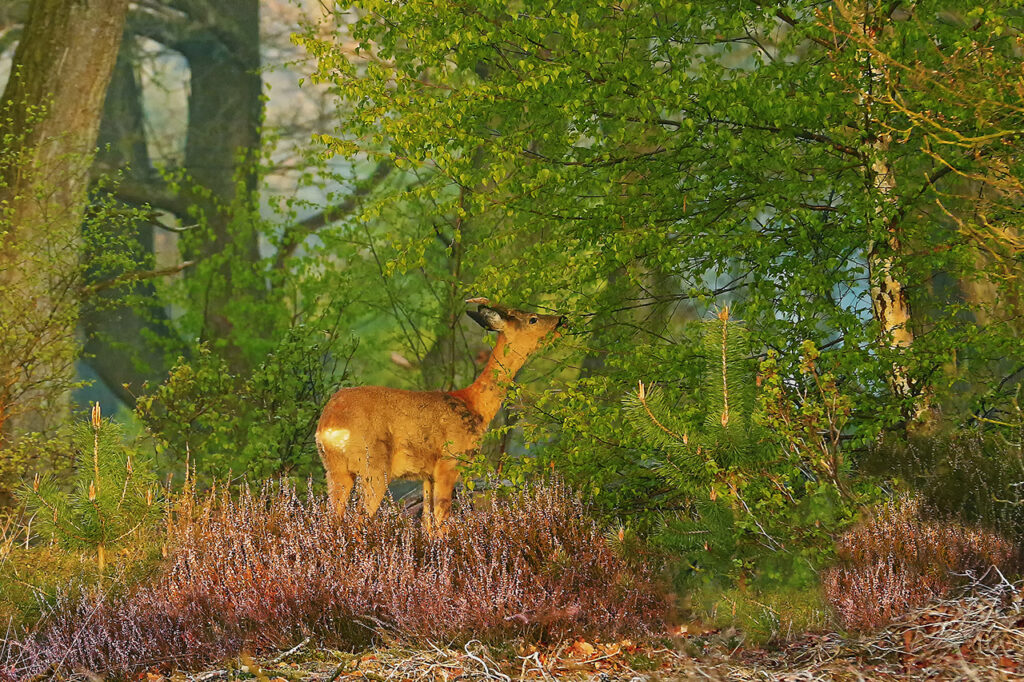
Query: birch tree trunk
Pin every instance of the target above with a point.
(890, 303)
(889, 300)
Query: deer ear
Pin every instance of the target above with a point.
(487, 318)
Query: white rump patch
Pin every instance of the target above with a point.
(335, 438)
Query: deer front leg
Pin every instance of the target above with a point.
(445, 475)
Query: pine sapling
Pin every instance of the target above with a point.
(696, 456)
(113, 492)
(710, 464)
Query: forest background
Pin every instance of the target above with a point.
(801, 223)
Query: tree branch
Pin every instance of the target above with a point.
(781, 14)
(158, 24)
(152, 192)
(296, 234)
(135, 277)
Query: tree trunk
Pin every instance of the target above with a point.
(116, 334)
(889, 300)
(221, 153)
(49, 118)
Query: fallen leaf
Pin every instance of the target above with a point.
(584, 649)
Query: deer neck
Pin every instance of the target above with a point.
(485, 395)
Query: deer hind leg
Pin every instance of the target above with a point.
(428, 505)
(372, 489)
(374, 472)
(339, 489)
(445, 475)
(331, 444)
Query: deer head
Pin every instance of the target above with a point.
(523, 332)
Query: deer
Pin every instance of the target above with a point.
(377, 434)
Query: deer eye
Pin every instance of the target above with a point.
(533, 320)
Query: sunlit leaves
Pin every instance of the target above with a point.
(634, 164)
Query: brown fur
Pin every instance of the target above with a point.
(378, 434)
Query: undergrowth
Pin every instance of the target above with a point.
(898, 560)
(262, 570)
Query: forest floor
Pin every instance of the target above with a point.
(978, 636)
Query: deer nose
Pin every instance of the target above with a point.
(563, 323)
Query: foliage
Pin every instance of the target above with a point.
(67, 268)
(115, 493)
(633, 166)
(959, 102)
(31, 339)
(898, 559)
(33, 452)
(268, 568)
(808, 416)
(752, 509)
(728, 434)
(259, 423)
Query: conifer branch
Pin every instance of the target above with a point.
(724, 317)
(641, 395)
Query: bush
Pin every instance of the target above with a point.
(115, 493)
(760, 483)
(266, 569)
(899, 560)
(260, 422)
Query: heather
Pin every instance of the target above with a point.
(900, 559)
(784, 243)
(265, 569)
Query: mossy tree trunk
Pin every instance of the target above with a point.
(49, 120)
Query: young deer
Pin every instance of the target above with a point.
(378, 434)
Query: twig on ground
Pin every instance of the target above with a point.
(497, 675)
(291, 651)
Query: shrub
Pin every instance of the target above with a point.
(975, 476)
(898, 560)
(115, 492)
(266, 569)
(259, 421)
(760, 479)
